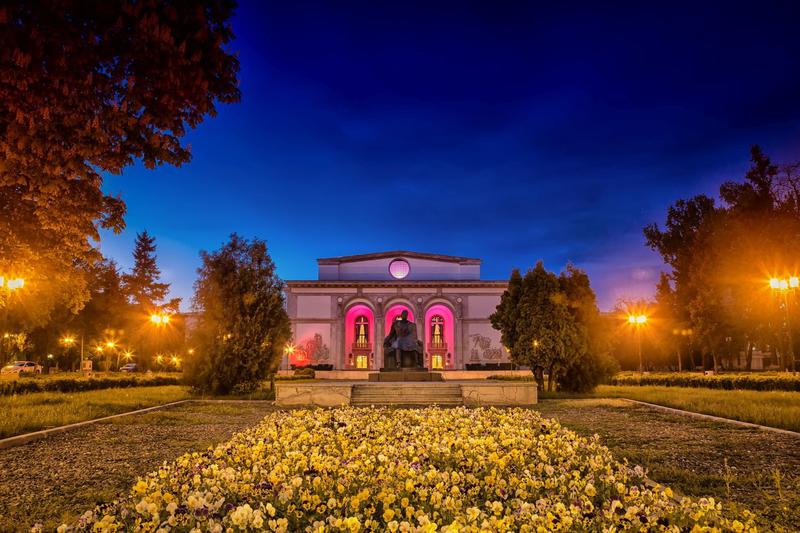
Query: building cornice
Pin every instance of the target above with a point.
(398, 253)
(389, 284)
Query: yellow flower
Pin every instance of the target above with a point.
(455, 470)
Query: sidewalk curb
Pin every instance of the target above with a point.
(18, 440)
(714, 418)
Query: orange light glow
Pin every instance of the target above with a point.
(637, 320)
(159, 319)
(11, 283)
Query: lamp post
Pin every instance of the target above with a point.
(68, 342)
(112, 346)
(638, 321)
(782, 287)
(9, 285)
(681, 333)
(159, 320)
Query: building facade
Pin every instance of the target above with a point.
(340, 319)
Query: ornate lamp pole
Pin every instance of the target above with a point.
(638, 322)
(9, 285)
(781, 287)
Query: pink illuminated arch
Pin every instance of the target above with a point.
(443, 311)
(353, 313)
(393, 312)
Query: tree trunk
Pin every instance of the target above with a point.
(538, 375)
(749, 355)
(550, 378)
(715, 359)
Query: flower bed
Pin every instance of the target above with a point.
(741, 381)
(73, 383)
(353, 469)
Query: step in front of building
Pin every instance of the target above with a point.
(417, 394)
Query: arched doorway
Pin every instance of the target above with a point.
(439, 337)
(359, 323)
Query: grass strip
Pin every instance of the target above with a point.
(41, 410)
(776, 409)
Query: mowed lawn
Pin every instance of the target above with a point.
(769, 408)
(745, 468)
(23, 413)
(57, 479)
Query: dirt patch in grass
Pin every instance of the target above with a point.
(749, 468)
(57, 479)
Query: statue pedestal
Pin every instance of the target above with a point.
(408, 360)
(404, 374)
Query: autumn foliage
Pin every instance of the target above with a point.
(88, 88)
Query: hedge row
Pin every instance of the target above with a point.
(79, 383)
(505, 377)
(752, 381)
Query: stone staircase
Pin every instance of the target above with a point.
(406, 394)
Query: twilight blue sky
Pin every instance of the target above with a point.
(508, 131)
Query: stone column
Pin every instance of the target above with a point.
(460, 335)
(377, 340)
(458, 349)
(337, 335)
(419, 315)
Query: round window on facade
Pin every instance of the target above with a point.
(399, 268)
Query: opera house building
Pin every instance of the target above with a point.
(339, 320)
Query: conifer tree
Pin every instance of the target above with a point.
(143, 284)
(535, 314)
(506, 316)
(243, 326)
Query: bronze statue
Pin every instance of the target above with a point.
(403, 344)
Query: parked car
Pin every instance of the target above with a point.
(130, 367)
(18, 367)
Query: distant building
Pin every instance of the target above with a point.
(341, 318)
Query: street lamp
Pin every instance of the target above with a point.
(159, 319)
(638, 321)
(783, 286)
(10, 285)
(68, 342)
(681, 333)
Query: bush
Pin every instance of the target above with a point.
(587, 373)
(320, 367)
(737, 381)
(501, 377)
(80, 383)
(489, 366)
(306, 372)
